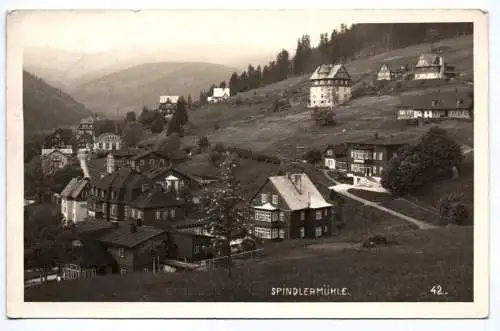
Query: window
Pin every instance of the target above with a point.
(162, 162)
(123, 271)
(374, 170)
(325, 229)
(141, 162)
(329, 152)
(158, 214)
(358, 168)
(145, 187)
(262, 215)
(121, 252)
(196, 249)
(275, 199)
(100, 145)
(380, 156)
(102, 193)
(113, 195)
(434, 102)
(139, 214)
(107, 145)
(151, 162)
(361, 155)
(282, 216)
(319, 231)
(374, 155)
(282, 234)
(319, 214)
(302, 232)
(134, 215)
(302, 215)
(114, 209)
(275, 233)
(263, 233)
(325, 212)
(172, 212)
(264, 198)
(146, 269)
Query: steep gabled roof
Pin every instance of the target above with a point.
(157, 173)
(92, 253)
(107, 134)
(156, 198)
(124, 237)
(444, 100)
(306, 195)
(428, 60)
(74, 188)
(338, 149)
(92, 225)
(329, 71)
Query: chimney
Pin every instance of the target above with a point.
(133, 228)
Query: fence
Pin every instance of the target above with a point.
(248, 256)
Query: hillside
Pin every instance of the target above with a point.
(141, 85)
(252, 124)
(46, 107)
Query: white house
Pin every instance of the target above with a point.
(220, 94)
(169, 99)
(385, 73)
(430, 66)
(330, 85)
(74, 200)
(108, 142)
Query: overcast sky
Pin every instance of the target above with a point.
(243, 32)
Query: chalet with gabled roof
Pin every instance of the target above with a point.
(330, 85)
(335, 157)
(289, 207)
(74, 200)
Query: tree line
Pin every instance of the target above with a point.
(341, 45)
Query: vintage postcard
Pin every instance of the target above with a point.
(290, 164)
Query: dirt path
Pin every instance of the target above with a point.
(342, 189)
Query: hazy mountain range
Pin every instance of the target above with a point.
(117, 81)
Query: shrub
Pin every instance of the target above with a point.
(453, 210)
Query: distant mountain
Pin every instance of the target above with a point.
(46, 107)
(142, 85)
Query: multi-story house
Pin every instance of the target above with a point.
(74, 200)
(439, 105)
(432, 66)
(168, 105)
(367, 158)
(53, 160)
(110, 194)
(149, 160)
(120, 158)
(87, 126)
(107, 142)
(385, 73)
(335, 157)
(330, 85)
(289, 207)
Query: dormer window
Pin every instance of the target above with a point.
(264, 198)
(459, 102)
(145, 187)
(434, 103)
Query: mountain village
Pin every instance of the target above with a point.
(149, 208)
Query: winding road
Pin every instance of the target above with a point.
(342, 189)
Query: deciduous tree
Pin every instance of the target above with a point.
(224, 207)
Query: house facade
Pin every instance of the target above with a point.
(110, 194)
(149, 160)
(168, 105)
(385, 73)
(367, 159)
(56, 160)
(135, 248)
(74, 200)
(430, 66)
(438, 105)
(107, 142)
(289, 207)
(87, 126)
(330, 85)
(335, 157)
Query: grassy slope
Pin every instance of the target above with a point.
(402, 272)
(253, 125)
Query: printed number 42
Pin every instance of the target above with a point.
(437, 290)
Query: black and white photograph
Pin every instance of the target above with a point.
(248, 156)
